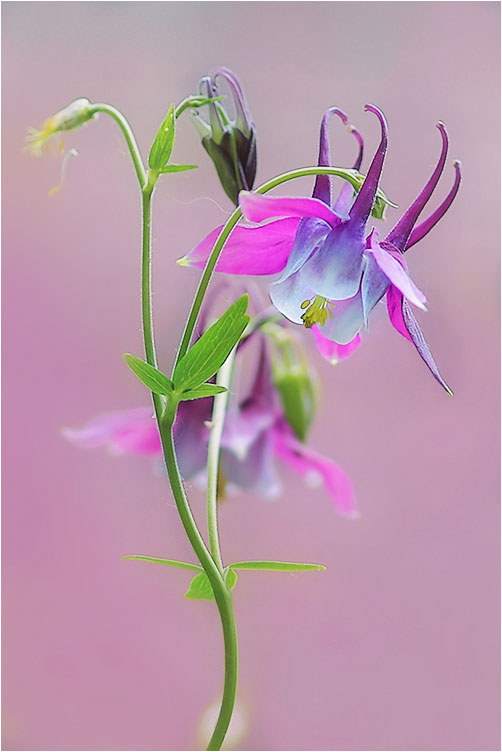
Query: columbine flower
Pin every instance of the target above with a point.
(231, 143)
(73, 115)
(333, 272)
(255, 435)
(249, 251)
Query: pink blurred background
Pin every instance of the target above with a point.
(396, 646)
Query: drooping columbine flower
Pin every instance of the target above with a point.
(231, 143)
(333, 272)
(72, 116)
(251, 251)
(256, 434)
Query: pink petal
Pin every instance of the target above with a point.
(395, 271)
(257, 208)
(248, 250)
(243, 427)
(395, 310)
(305, 462)
(125, 431)
(332, 351)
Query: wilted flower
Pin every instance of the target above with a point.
(72, 116)
(255, 434)
(231, 143)
(333, 274)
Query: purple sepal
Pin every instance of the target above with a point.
(418, 340)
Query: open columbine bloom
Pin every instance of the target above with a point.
(255, 435)
(249, 251)
(333, 272)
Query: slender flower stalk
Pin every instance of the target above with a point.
(224, 379)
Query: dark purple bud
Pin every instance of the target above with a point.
(424, 227)
(229, 141)
(400, 233)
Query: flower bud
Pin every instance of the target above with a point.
(72, 116)
(295, 380)
(231, 143)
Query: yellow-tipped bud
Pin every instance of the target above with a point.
(72, 116)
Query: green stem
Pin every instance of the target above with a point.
(165, 419)
(222, 595)
(146, 290)
(224, 378)
(231, 222)
(126, 129)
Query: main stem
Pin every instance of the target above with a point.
(165, 419)
(222, 595)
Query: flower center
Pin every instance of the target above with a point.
(318, 310)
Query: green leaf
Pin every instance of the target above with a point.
(200, 588)
(163, 142)
(212, 349)
(154, 379)
(277, 566)
(230, 578)
(177, 168)
(167, 562)
(206, 390)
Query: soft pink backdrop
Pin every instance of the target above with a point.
(396, 645)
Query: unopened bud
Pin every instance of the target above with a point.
(72, 116)
(294, 378)
(231, 143)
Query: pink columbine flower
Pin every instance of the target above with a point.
(332, 271)
(255, 435)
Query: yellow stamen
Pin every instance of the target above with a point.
(317, 311)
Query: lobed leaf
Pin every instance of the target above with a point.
(163, 143)
(151, 377)
(212, 349)
(200, 588)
